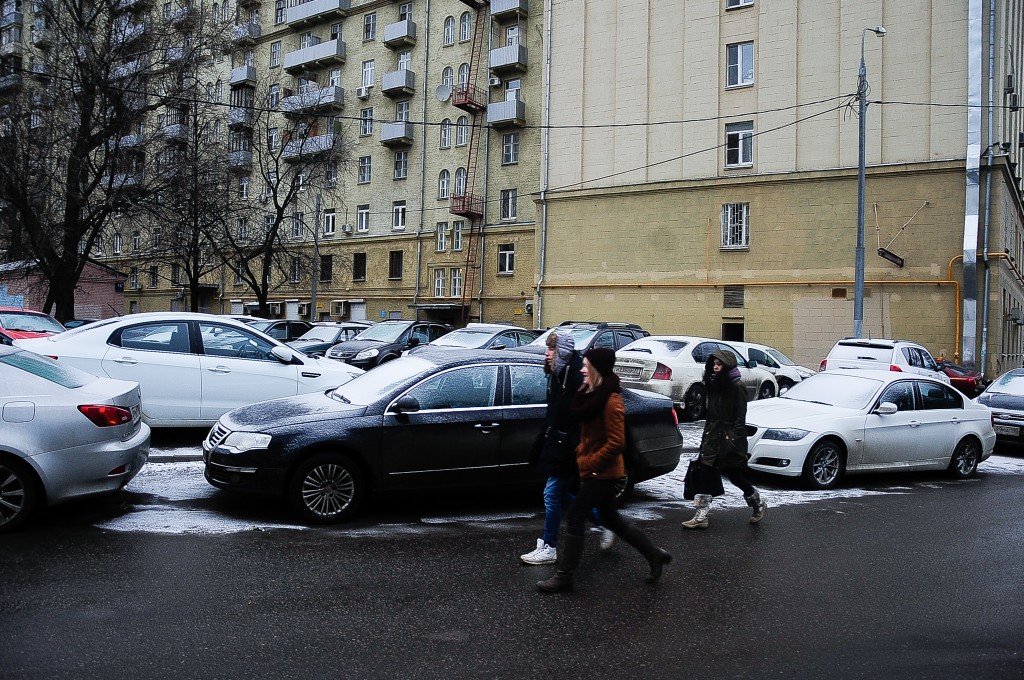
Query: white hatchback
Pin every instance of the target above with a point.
(854, 421)
(193, 368)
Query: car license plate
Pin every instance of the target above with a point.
(1009, 430)
(628, 371)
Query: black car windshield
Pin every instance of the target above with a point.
(383, 332)
(835, 389)
(382, 380)
(320, 334)
(30, 323)
(658, 348)
(464, 338)
(780, 357)
(1009, 383)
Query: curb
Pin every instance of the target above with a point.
(174, 457)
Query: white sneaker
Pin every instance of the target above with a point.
(607, 539)
(544, 554)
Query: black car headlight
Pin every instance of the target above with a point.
(367, 354)
(239, 442)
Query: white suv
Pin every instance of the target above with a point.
(878, 354)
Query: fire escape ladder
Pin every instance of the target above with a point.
(472, 266)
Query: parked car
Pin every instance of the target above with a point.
(967, 380)
(192, 367)
(245, 318)
(19, 323)
(785, 370)
(325, 334)
(66, 434)
(881, 354)
(483, 336)
(435, 419)
(284, 330)
(855, 421)
(673, 365)
(75, 323)
(1005, 396)
(587, 334)
(386, 341)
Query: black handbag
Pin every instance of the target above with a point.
(701, 479)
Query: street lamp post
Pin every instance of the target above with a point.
(862, 101)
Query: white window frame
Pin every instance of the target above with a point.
(445, 134)
(739, 144)
(440, 282)
(369, 26)
(461, 179)
(464, 75)
(273, 138)
(739, 64)
(735, 4)
(298, 224)
(465, 27)
(136, 241)
(279, 11)
(449, 32)
(735, 225)
(369, 72)
(462, 131)
(366, 122)
(441, 243)
(330, 222)
(404, 60)
(509, 204)
(365, 170)
(510, 148)
(331, 174)
(295, 275)
(117, 244)
(275, 54)
(335, 78)
(242, 229)
(458, 226)
(444, 181)
(399, 213)
(405, 11)
(401, 165)
(363, 218)
(133, 278)
(506, 258)
(448, 76)
(274, 95)
(402, 111)
(455, 278)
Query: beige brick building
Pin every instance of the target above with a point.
(702, 171)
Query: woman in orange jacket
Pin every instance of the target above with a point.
(598, 406)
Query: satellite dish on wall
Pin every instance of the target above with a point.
(443, 92)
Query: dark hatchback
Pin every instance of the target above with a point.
(438, 419)
(1005, 396)
(386, 341)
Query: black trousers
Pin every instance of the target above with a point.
(737, 476)
(600, 494)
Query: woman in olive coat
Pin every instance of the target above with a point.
(724, 444)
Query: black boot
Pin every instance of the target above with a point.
(657, 560)
(570, 552)
(656, 557)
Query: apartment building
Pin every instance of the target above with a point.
(702, 172)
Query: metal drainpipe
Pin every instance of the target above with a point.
(487, 173)
(975, 40)
(545, 149)
(423, 161)
(988, 183)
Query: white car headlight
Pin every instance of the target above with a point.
(804, 373)
(239, 442)
(367, 354)
(788, 434)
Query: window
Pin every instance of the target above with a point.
(449, 32)
(739, 144)
(735, 225)
(274, 95)
(443, 182)
(275, 54)
(242, 229)
(445, 134)
(243, 186)
(457, 226)
(154, 276)
(740, 61)
(136, 241)
(218, 91)
(175, 274)
(455, 276)
(268, 225)
(369, 69)
(365, 122)
(733, 4)
(512, 87)
(402, 111)
(279, 12)
(460, 182)
(330, 222)
(331, 173)
(395, 264)
(335, 78)
(295, 271)
(358, 266)
(326, 268)
(462, 131)
(404, 60)
(510, 148)
(506, 258)
(370, 26)
(464, 75)
(405, 11)
(448, 76)
(157, 237)
(440, 282)
(117, 244)
(512, 36)
(465, 27)
(273, 138)
(363, 217)
(508, 204)
(401, 164)
(298, 224)
(133, 278)
(442, 237)
(398, 215)
(364, 170)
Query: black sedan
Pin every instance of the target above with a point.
(437, 419)
(1005, 396)
(323, 335)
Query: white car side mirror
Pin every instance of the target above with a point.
(886, 408)
(283, 354)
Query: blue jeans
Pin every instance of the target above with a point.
(557, 498)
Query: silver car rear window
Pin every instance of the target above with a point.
(47, 369)
(861, 353)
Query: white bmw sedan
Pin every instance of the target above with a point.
(854, 421)
(193, 368)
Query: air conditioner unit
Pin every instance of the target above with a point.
(1013, 101)
(1011, 84)
(274, 307)
(1020, 139)
(346, 229)
(303, 309)
(494, 81)
(339, 308)
(363, 92)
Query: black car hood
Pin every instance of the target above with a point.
(360, 345)
(1011, 402)
(267, 415)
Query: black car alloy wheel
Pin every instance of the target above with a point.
(694, 403)
(327, 488)
(964, 462)
(18, 496)
(824, 465)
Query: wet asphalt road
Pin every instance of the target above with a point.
(921, 584)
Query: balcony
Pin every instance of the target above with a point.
(130, 141)
(469, 205)
(505, 10)
(508, 59)
(396, 134)
(12, 45)
(330, 98)
(125, 34)
(182, 17)
(129, 69)
(125, 180)
(401, 34)
(240, 160)
(41, 35)
(245, 34)
(316, 11)
(174, 132)
(309, 147)
(398, 83)
(509, 113)
(42, 100)
(129, 5)
(475, 4)
(469, 98)
(329, 53)
(11, 19)
(241, 117)
(243, 75)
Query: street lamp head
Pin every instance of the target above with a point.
(878, 30)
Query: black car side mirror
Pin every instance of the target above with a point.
(751, 364)
(413, 342)
(406, 404)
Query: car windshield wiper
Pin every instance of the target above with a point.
(338, 395)
(808, 401)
